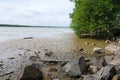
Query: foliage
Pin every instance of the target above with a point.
(96, 18)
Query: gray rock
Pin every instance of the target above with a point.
(96, 63)
(106, 72)
(113, 49)
(91, 77)
(97, 50)
(108, 59)
(74, 68)
(113, 60)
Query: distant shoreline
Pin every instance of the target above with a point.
(11, 25)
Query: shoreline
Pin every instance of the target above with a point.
(18, 54)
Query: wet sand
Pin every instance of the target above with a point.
(66, 43)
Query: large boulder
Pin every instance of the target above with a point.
(32, 72)
(74, 68)
(106, 72)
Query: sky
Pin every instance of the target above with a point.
(36, 12)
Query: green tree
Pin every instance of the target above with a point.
(96, 18)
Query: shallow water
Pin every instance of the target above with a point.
(7, 33)
(65, 37)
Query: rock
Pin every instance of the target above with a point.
(93, 44)
(87, 59)
(107, 41)
(28, 38)
(92, 69)
(113, 49)
(103, 62)
(48, 53)
(32, 73)
(116, 77)
(118, 38)
(34, 58)
(115, 61)
(97, 50)
(55, 79)
(81, 49)
(11, 58)
(119, 42)
(96, 63)
(106, 72)
(86, 43)
(1, 64)
(91, 77)
(108, 59)
(74, 68)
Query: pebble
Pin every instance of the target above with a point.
(81, 49)
(118, 42)
(107, 41)
(86, 43)
(11, 58)
(93, 69)
(55, 79)
(93, 44)
(1, 64)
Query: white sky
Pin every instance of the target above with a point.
(36, 12)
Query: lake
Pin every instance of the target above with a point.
(63, 37)
(8, 33)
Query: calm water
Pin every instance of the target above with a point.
(63, 37)
(8, 33)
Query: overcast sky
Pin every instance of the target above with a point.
(36, 12)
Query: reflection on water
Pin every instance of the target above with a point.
(62, 38)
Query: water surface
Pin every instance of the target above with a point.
(7, 33)
(62, 37)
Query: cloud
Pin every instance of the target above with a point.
(36, 12)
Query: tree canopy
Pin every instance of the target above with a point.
(96, 18)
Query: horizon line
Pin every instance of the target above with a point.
(18, 25)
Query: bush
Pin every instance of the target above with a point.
(96, 18)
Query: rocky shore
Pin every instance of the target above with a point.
(30, 59)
